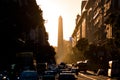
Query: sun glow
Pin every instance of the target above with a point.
(52, 9)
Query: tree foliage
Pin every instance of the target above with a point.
(116, 29)
(17, 18)
(91, 53)
(82, 44)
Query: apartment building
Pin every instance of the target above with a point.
(80, 28)
(97, 21)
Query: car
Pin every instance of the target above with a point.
(49, 75)
(75, 70)
(28, 75)
(114, 68)
(4, 75)
(82, 65)
(62, 65)
(67, 76)
(41, 67)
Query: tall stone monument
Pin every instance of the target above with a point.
(60, 36)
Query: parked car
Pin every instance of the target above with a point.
(82, 65)
(114, 68)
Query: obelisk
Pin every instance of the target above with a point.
(60, 35)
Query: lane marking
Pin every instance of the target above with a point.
(87, 76)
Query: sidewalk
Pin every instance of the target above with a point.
(99, 72)
(91, 72)
(102, 76)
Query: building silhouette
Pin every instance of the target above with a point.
(60, 35)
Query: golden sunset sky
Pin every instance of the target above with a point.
(52, 9)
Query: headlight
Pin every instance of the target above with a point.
(4, 77)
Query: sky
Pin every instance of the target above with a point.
(52, 9)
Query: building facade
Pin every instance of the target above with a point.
(98, 21)
(80, 30)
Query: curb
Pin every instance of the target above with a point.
(90, 72)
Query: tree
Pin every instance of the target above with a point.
(17, 18)
(82, 44)
(91, 53)
(45, 54)
(115, 17)
(112, 49)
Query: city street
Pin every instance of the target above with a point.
(90, 76)
(60, 40)
(87, 76)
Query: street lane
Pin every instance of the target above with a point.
(87, 76)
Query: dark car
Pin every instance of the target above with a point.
(67, 76)
(29, 75)
(114, 68)
(82, 65)
(75, 70)
(49, 75)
